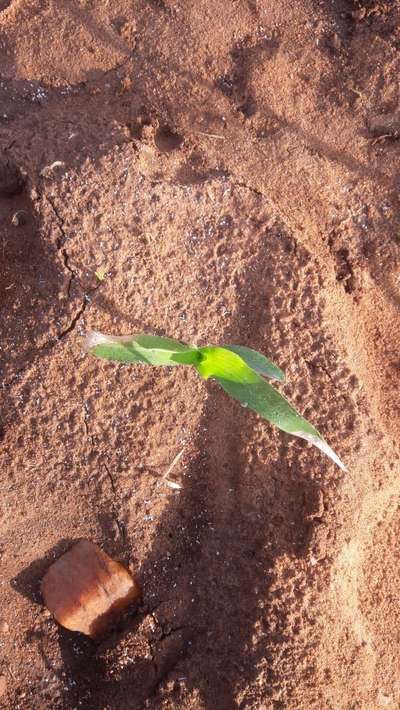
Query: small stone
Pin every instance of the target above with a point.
(19, 218)
(87, 591)
(336, 41)
(3, 685)
(4, 627)
(49, 171)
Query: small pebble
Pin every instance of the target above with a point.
(4, 627)
(49, 170)
(18, 218)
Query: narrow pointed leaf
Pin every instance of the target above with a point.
(257, 361)
(262, 398)
(112, 347)
(158, 350)
(149, 349)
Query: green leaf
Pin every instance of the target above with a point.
(264, 399)
(236, 368)
(118, 349)
(220, 362)
(149, 349)
(257, 361)
(157, 350)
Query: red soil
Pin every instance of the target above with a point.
(233, 166)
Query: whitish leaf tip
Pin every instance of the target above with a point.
(322, 446)
(93, 338)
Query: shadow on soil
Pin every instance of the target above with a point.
(208, 582)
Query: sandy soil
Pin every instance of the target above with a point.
(234, 167)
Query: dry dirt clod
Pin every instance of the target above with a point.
(49, 171)
(359, 14)
(12, 181)
(387, 125)
(3, 685)
(87, 591)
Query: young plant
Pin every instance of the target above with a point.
(239, 370)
